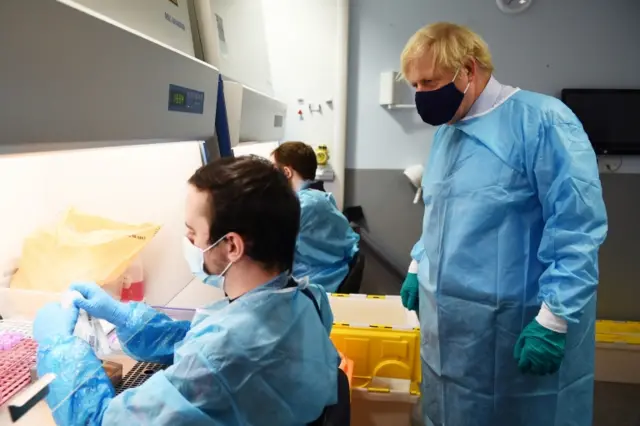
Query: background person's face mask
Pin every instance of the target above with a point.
(195, 258)
(439, 106)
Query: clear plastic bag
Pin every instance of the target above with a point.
(89, 329)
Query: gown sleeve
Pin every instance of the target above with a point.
(187, 393)
(566, 177)
(150, 335)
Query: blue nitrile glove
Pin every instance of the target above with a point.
(98, 303)
(53, 321)
(409, 292)
(539, 350)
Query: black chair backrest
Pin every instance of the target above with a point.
(340, 413)
(352, 282)
(318, 185)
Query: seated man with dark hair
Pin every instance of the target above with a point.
(326, 243)
(261, 356)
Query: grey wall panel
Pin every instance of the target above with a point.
(387, 199)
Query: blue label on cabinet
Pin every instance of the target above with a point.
(182, 99)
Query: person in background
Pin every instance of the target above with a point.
(261, 356)
(505, 273)
(326, 243)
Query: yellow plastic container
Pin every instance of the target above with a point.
(381, 337)
(627, 332)
(617, 352)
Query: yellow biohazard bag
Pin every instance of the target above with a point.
(81, 248)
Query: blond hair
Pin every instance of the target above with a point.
(450, 44)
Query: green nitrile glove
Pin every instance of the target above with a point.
(409, 292)
(539, 350)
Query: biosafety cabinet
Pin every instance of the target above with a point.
(103, 118)
(90, 82)
(228, 34)
(108, 111)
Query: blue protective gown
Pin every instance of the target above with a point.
(514, 217)
(263, 359)
(326, 243)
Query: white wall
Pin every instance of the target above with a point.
(302, 44)
(131, 184)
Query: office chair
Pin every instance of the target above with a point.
(353, 280)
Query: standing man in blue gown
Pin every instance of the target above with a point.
(505, 273)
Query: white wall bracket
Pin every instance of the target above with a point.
(389, 82)
(399, 106)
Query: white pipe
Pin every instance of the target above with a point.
(340, 104)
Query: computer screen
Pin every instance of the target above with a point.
(609, 116)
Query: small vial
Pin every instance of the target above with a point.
(8, 340)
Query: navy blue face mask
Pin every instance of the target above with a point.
(439, 106)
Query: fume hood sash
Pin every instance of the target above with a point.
(72, 78)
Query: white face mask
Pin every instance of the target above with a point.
(195, 258)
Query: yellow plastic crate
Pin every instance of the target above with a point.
(627, 332)
(380, 336)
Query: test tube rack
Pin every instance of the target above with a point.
(15, 366)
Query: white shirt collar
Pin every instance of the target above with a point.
(493, 94)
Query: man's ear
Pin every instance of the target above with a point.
(287, 172)
(235, 246)
(470, 68)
